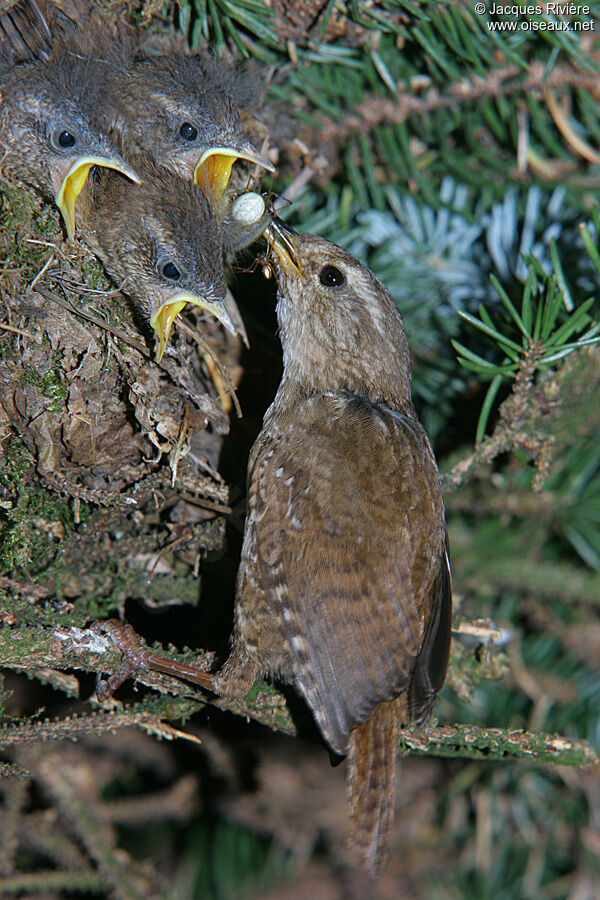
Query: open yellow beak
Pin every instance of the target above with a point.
(213, 170)
(74, 181)
(162, 320)
(280, 239)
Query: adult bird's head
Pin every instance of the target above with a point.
(340, 327)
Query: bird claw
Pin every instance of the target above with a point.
(135, 657)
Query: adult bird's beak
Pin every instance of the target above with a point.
(280, 239)
(75, 179)
(162, 320)
(213, 171)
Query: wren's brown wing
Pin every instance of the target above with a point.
(432, 663)
(350, 534)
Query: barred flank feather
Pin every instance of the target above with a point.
(371, 786)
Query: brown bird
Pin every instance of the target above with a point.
(344, 583)
(49, 132)
(185, 112)
(158, 241)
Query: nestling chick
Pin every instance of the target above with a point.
(344, 583)
(184, 111)
(49, 132)
(158, 241)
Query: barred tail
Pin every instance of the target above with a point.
(371, 783)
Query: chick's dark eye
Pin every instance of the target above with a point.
(330, 276)
(188, 132)
(66, 139)
(171, 271)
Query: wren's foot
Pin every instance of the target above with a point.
(135, 657)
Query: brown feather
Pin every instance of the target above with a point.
(358, 492)
(28, 27)
(371, 778)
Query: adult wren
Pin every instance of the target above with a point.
(344, 583)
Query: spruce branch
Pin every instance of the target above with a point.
(511, 430)
(125, 879)
(39, 834)
(562, 582)
(176, 803)
(266, 705)
(15, 797)
(76, 726)
(536, 337)
(473, 742)
(376, 109)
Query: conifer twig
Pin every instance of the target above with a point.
(376, 110)
(474, 742)
(510, 431)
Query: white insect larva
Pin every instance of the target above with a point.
(248, 208)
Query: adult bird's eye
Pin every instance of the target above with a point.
(188, 132)
(171, 271)
(66, 139)
(330, 276)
